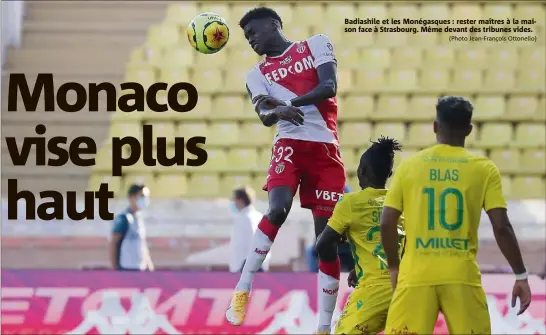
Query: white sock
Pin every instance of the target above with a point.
(328, 287)
(256, 255)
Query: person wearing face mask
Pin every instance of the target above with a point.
(246, 220)
(129, 248)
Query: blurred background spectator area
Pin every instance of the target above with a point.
(388, 84)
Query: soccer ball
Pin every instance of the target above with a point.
(208, 33)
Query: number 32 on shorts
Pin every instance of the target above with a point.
(282, 154)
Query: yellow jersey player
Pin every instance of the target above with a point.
(357, 216)
(441, 191)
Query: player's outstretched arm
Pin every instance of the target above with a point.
(389, 235)
(326, 89)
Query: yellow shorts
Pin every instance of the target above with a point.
(414, 310)
(365, 311)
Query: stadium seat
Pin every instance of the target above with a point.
(530, 135)
(388, 129)
(502, 58)
(421, 135)
(221, 9)
(532, 58)
(477, 152)
(191, 129)
(403, 10)
(467, 80)
(472, 139)
(239, 9)
(424, 39)
(217, 161)
(372, 10)
(350, 159)
(528, 188)
(356, 107)
(257, 183)
(439, 57)
(230, 182)
(466, 11)
(181, 12)
(229, 107)
(208, 81)
(257, 133)
(348, 57)
(174, 75)
(499, 11)
(335, 34)
(473, 58)
(404, 80)
(529, 11)
(103, 159)
(530, 80)
(179, 57)
(309, 14)
(541, 109)
(337, 13)
(114, 184)
(155, 56)
(434, 79)
(345, 81)
(242, 160)
(422, 107)
(391, 107)
(406, 57)
(263, 159)
(522, 107)
(163, 35)
(296, 31)
(145, 75)
(370, 80)
(488, 108)
(170, 186)
(508, 161)
(223, 133)
(235, 81)
(137, 56)
(284, 10)
(138, 178)
(533, 161)
(499, 80)
(506, 183)
(125, 129)
(391, 39)
(495, 135)
(400, 156)
(163, 129)
(212, 62)
(375, 58)
(245, 58)
(354, 133)
(438, 11)
(202, 185)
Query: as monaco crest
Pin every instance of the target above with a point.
(279, 168)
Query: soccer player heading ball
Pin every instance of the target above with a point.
(294, 87)
(441, 192)
(357, 216)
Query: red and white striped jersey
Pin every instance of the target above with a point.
(292, 74)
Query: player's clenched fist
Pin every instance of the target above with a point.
(523, 292)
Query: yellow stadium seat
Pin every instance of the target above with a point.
(530, 80)
(258, 182)
(392, 130)
(173, 76)
(244, 58)
(363, 40)
(528, 188)
(355, 133)
(434, 79)
(335, 34)
(533, 161)
(163, 35)
(238, 10)
(530, 135)
(237, 40)
(403, 11)
(471, 58)
(104, 157)
(309, 14)
(202, 110)
(162, 129)
(421, 135)
(337, 13)
(154, 55)
(138, 178)
(466, 11)
(203, 185)
(375, 58)
(208, 81)
(392, 39)
(406, 57)
(229, 107)
(495, 135)
(506, 183)
(348, 57)
(235, 81)
(439, 11)
(210, 62)
(258, 133)
(391, 107)
(284, 10)
(508, 161)
(489, 108)
(522, 107)
(422, 107)
(297, 31)
(223, 133)
(221, 9)
(145, 75)
(125, 129)
(345, 80)
(467, 80)
(400, 156)
(217, 160)
(424, 39)
(352, 181)
(502, 58)
(439, 57)
(370, 80)
(191, 129)
(179, 57)
(541, 109)
(356, 107)
(372, 10)
(242, 159)
(230, 182)
(498, 11)
(181, 12)
(170, 186)
(532, 58)
(114, 184)
(472, 139)
(137, 56)
(263, 159)
(350, 159)
(527, 11)
(498, 79)
(403, 79)
(477, 152)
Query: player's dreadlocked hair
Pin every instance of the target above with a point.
(259, 13)
(380, 156)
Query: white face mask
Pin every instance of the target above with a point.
(143, 202)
